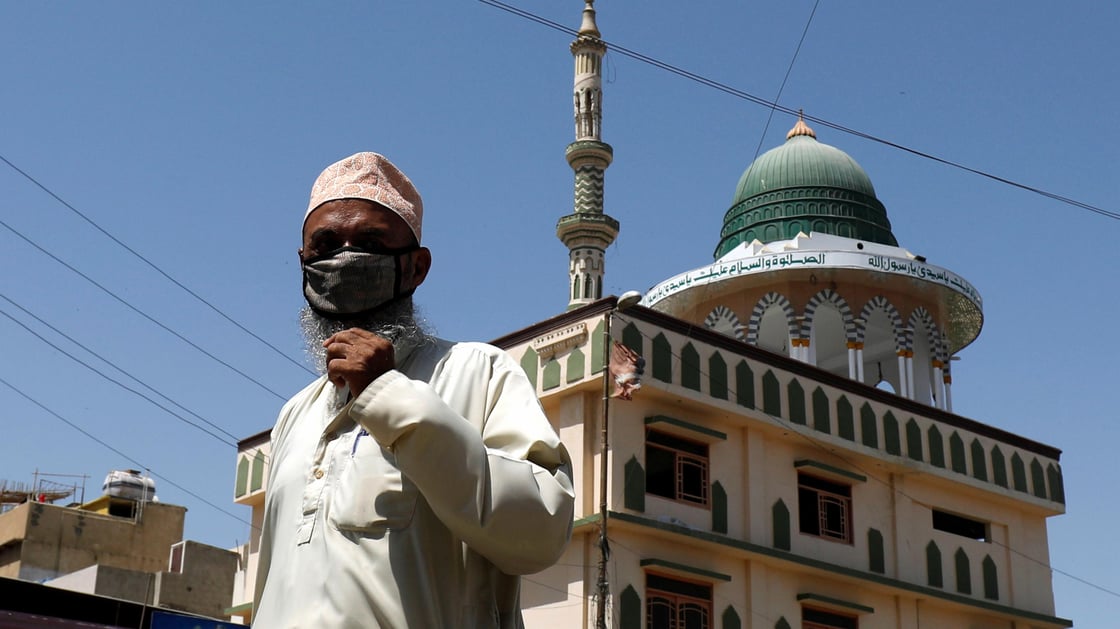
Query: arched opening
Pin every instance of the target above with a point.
(828, 347)
(773, 331)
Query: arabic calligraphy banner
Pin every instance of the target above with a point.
(720, 271)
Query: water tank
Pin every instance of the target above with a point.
(130, 484)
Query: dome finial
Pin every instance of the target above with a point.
(589, 28)
(800, 128)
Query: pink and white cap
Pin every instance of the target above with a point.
(372, 177)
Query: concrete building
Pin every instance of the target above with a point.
(118, 547)
(793, 458)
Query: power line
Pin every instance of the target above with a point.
(140, 312)
(114, 380)
(737, 93)
(789, 70)
(153, 265)
(126, 457)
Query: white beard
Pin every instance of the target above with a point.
(396, 321)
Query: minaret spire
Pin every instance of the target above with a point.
(588, 231)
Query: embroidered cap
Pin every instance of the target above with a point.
(372, 177)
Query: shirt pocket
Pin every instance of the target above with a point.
(371, 495)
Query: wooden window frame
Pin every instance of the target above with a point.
(684, 459)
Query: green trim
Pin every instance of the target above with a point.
(822, 420)
(999, 467)
(828, 600)
(771, 394)
(796, 395)
(529, 362)
(690, 367)
(936, 447)
(782, 623)
(744, 384)
(717, 376)
(680, 423)
(575, 366)
(876, 560)
(630, 609)
(719, 508)
(632, 338)
(934, 573)
(964, 571)
(680, 567)
(241, 487)
(845, 419)
(634, 485)
(825, 467)
(731, 619)
(979, 461)
(256, 479)
(819, 564)
(780, 515)
(598, 355)
(868, 426)
(991, 580)
(662, 368)
(237, 609)
(891, 440)
(1038, 479)
(551, 377)
(956, 454)
(913, 440)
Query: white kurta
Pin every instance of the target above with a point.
(414, 505)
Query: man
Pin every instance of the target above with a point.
(413, 480)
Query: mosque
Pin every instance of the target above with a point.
(792, 458)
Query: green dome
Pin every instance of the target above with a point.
(804, 186)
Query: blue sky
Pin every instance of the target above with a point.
(192, 132)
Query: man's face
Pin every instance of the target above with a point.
(364, 224)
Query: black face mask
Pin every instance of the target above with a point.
(352, 281)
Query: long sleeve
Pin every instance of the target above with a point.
(479, 448)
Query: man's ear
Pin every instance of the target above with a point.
(421, 263)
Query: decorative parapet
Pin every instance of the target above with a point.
(559, 341)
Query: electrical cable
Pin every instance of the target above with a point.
(789, 70)
(727, 89)
(153, 265)
(128, 458)
(140, 312)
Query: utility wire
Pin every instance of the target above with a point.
(153, 265)
(117, 382)
(132, 460)
(789, 70)
(140, 312)
(119, 369)
(823, 447)
(727, 89)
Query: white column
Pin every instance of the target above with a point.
(903, 387)
(910, 374)
(938, 384)
(852, 371)
(859, 363)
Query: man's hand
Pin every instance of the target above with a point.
(356, 357)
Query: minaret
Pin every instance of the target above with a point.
(588, 231)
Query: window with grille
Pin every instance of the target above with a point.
(820, 619)
(825, 508)
(676, 604)
(676, 468)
